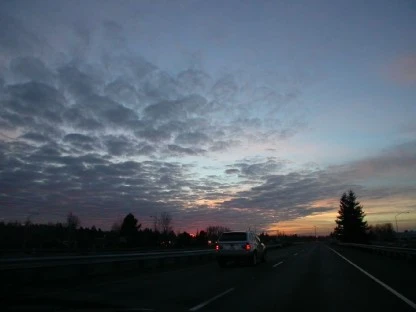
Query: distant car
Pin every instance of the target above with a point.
(240, 246)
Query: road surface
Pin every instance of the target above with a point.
(306, 277)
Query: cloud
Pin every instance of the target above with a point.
(289, 196)
(395, 162)
(179, 150)
(232, 171)
(77, 83)
(95, 128)
(83, 143)
(225, 89)
(154, 135)
(403, 69)
(32, 69)
(159, 85)
(222, 146)
(260, 169)
(88, 181)
(192, 138)
(180, 109)
(16, 39)
(292, 195)
(122, 91)
(36, 137)
(114, 32)
(119, 145)
(77, 138)
(165, 110)
(34, 99)
(194, 81)
(76, 118)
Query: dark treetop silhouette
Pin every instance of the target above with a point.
(351, 226)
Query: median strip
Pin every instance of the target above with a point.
(275, 265)
(203, 304)
(394, 292)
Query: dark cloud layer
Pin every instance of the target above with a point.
(89, 126)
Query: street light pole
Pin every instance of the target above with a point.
(395, 217)
(154, 222)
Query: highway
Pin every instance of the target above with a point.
(310, 276)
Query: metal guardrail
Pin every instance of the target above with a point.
(389, 250)
(38, 262)
(18, 271)
(56, 261)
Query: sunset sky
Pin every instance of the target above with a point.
(245, 114)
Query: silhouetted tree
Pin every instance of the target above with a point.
(202, 238)
(183, 239)
(265, 238)
(72, 224)
(382, 232)
(129, 228)
(214, 231)
(165, 222)
(149, 238)
(351, 226)
(116, 227)
(72, 221)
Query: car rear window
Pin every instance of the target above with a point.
(235, 236)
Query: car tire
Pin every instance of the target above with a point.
(264, 258)
(253, 260)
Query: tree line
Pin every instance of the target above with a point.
(128, 234)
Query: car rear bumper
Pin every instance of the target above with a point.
(233, 254)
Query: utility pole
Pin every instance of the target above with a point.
(154, 223)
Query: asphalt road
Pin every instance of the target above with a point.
(307, 277)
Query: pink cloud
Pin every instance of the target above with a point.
(403, 69)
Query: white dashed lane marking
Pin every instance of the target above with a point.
(275, 265)
(203, 304)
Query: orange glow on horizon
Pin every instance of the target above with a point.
(377, 211)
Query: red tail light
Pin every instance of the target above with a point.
(247, 246)
(217, 247)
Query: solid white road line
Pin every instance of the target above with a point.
(135, 309)
(203, 304)
(394, 292)
(275, 265)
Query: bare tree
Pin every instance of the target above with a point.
(155, 223)
(382, 232)
(72, 221)
(165, 222)
(215, 231)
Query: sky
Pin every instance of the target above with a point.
(246, 114)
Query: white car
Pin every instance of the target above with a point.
(238, 246)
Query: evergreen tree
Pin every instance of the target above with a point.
(351, 226)
(129, 228)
